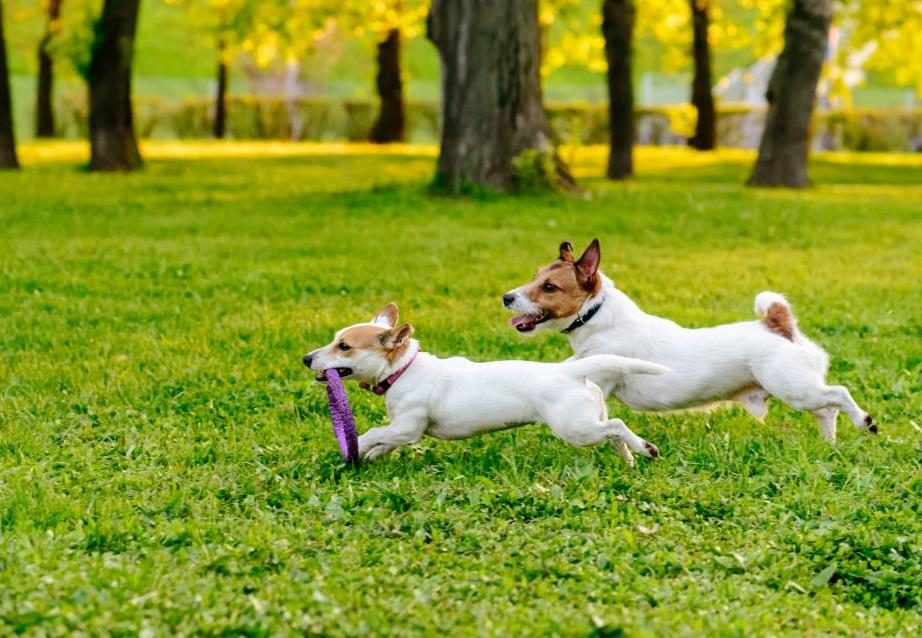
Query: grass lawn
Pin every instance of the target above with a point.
(167, 466)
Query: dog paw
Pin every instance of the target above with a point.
(650, 450)
(870, 424)
(624, 451)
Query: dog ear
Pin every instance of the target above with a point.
(387, 316)
(588, 264)
(566, 251)
(396, 337)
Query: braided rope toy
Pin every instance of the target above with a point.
(341, 416)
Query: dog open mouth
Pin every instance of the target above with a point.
(527, 323)
(343, 373)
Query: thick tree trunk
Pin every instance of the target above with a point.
(391, 123)
(220, 104)
(618, 31)
(705, 138)
(791, 96)
(44, 94)
(8, 157)
(113, 145)
(494, 130)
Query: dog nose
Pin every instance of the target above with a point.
(508, 298)
(307, 360)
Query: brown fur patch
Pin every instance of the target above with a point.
(397, 341)
(365, 338)
(570, 293)
(778, 319)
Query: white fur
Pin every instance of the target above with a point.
(743, 361)
(456, 398)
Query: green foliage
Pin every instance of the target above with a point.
(535, 172)
(891, 30)
(876, 129)
(167, 465)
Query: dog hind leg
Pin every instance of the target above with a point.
(826, 417)
(755, 401)
(614, 431)
(817, 396)
(620, 446)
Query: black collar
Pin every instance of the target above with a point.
(582, 320)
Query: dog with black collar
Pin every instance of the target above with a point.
(749, 361)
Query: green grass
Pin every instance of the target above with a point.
(167, 466)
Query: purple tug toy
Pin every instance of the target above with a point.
(341, 415)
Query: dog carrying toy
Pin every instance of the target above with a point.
(341, 415)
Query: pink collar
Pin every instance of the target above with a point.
(384, 386)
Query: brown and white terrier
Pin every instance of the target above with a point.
(749, 361)
(456, 398)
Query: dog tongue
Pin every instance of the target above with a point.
(522, 320)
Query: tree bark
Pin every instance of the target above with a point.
(113, 145)
(791, 96)
(495, 133)
(220, 104)
(8, 157)
(391, 123)
(618, 31)
(44, 93)
(705, 138)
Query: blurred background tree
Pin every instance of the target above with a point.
(386, 23)
(226, 25)
(495, 132)
(618, 31)
(8, 157)
(113, 144)
(44, 93)
(791, 95)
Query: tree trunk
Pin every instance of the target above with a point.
(390, 124)
(705, 138)
(791, 96)
(618, 31)
(220, 104)
(494, 130)
(44, 100)
(113, 146)
(8, 157)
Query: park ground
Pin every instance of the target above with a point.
(166, 464)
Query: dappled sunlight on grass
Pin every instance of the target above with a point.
(673, 163)
(75, 151)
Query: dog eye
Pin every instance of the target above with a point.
(549, 287)
(344, 346)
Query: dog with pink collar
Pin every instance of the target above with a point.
(456, 398)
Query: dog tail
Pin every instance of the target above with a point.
(610, 363)
(776, 315)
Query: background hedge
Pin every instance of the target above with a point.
(323, 119)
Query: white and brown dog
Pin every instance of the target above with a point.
(748, 361)
(456, 398)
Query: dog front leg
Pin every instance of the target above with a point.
(381, 440)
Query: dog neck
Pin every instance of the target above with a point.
(399, 365)
(614, 309)
(585, 313)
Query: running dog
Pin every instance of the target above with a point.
(456, 398)
(748, 361)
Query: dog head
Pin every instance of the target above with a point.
(364, 351)
(557, 291)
